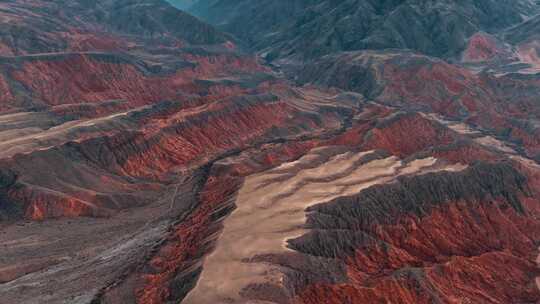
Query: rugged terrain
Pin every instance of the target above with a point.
(148, 157)
(303, 29)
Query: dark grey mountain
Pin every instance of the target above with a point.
(311, 28)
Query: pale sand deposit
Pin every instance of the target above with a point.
(18, 139)
(271, 210)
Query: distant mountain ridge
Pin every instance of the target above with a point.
(311, 28)
(52, 26)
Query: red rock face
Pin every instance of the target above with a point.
(107, 77)
(183, 249)
(152, 155)
(45, 205)
(482, 47)
(406, 278)
(5, 95)
(406, 135)
(466, 153)
(531, 142)
(451, 253)
(503, 104)
(444, 88)
(104, 81)
(206, 136)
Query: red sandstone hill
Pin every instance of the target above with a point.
(146, 158)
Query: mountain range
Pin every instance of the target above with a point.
(276, 152)
(311, 28)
